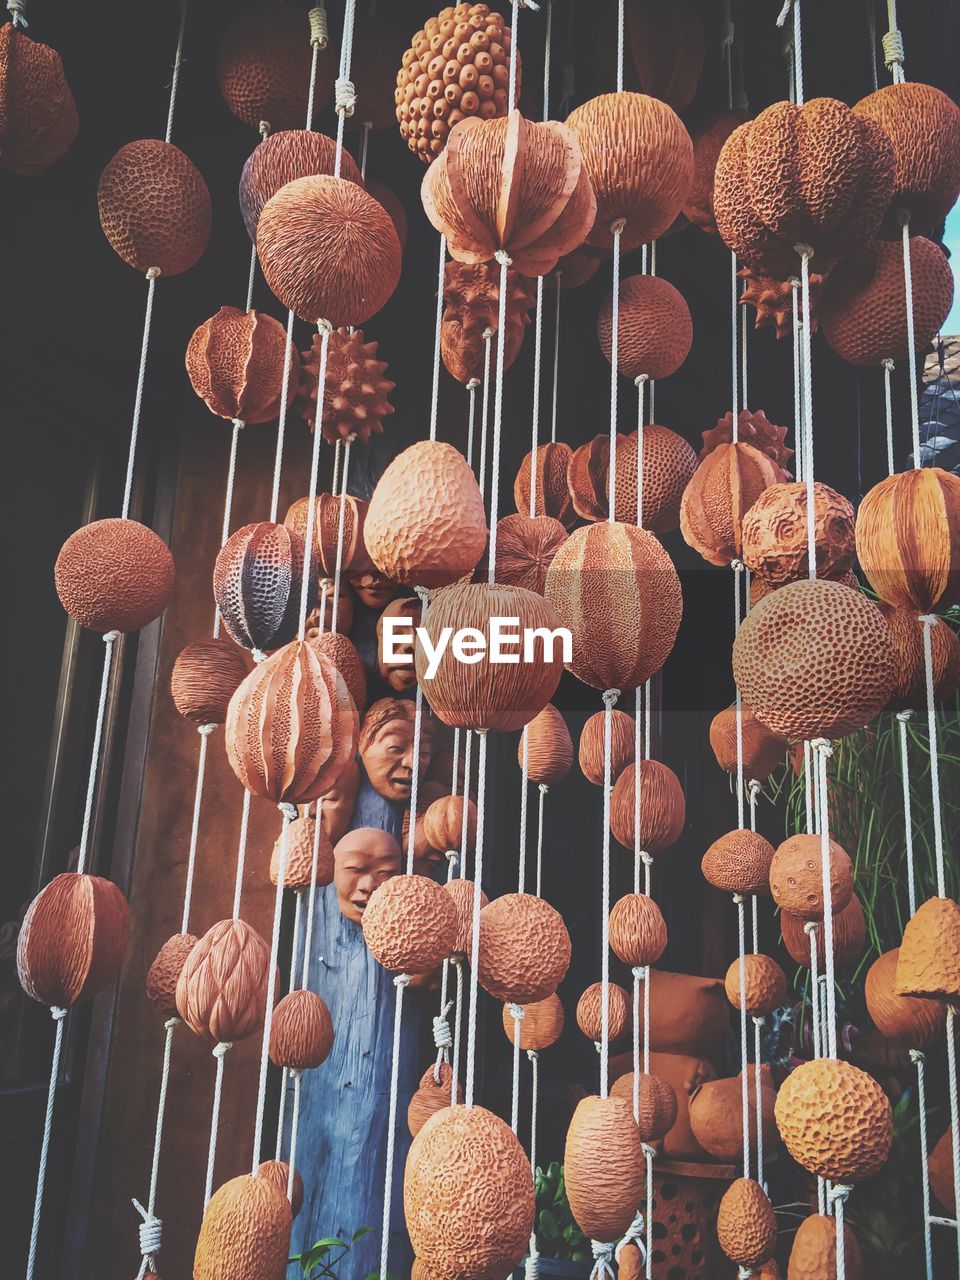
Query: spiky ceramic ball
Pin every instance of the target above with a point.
(38, 116)
(772, 301)
(775, 533)
(357, 391)
(835, 1120)
(114, 575)
(410, 924)
(204, 678)
(257, 579)
(753, 428)
(471, 305)
(235, 362)
(263, 68)
(283, 157)
(655, 330)
(524, 948)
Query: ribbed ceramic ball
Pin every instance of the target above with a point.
(910, 689)
(765, 985)
(813, 1254)
(235, 362)
(72, 939)
(655, 330)
(257, 579)
(204, 678)
(739, 862)
(283, 157)
(656, 1103)
(263, 68)
(908, 539)
(164, 973)
(526, 546)
(462, 892)
(541, 1024)
(548, 479)
(663, 809)
(746, 1223)
(762, 750)
(549, 747)
(278, 1172)
(796, 877)
(590, 753)
(301, 1031)
(443, 823)
(433, 1094)
(301, 836)
(814, 659)
(410, 924)
(929, 960)
(849, 937)
(835, 1120)
(222, 988)
(524, 948)
(426, 524)
(114, 575)
(603, 1167)
(468, 1195)
(154, 207)
(913, 1021)
(723, 488)
(245, 1231)
(590, 1012)
(775, 533)
(328, 539)
(638, 931)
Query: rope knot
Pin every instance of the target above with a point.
(487, 335)
(151, 1231)
(903, 217)
(263, 128)
(288, 810)
(171, 1023)
(319, 35)
(344, 96)
(258, 655)
(111, 637)
(635, 1235)
(442, 1035)
(57, 1013)
(905, 716)
(805, 250)
(424, 594)
(738, 899)
(888, 365)
(238, 423)
(737, 566)
(221, 1047)
(610, 696)
(152, 273)
(602, 1260)
(402, 980)
(516, 1011)
(617, 227)
(17, 8)
(823, 745)
(205, 730)
(639, 971)
(474, 382)
(503, 258)
(544, 788)
(811, 927)
(640, 379)
(893, 51)
(928, 619)
(646, 858)
(839, 1192)
(917, 1056)
(324, 326)
(452, 856)
(531, 1268)
(648, 1151)
(754, 787)
(533, 1055)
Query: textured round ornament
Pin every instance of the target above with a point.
(443, 823)
(263, 68)
(849, 937)
(796, 877)
(753, 428)
(541, 1024)
(929, 960)
(549, 747)
(328, 540)
(433, 1094)
(222, 988)
(667, 466)
(72, 939)
(525, 549)
(410, 924)
(235, 362)
(468, 1195)
(300, 837)
(739, 862)
(38, 116)
(548, 478)
(724, 487)
(915, 1022)
(590, 1012)
(471, 305)
(462, 892)
(257, 579)
(301, 1031)
(154, 207)
(746, 1223)
(707, 144)
(342, 652)
(814, 659)
(114, 575)
(663, 809)
(278, 1171)
(775, 533)
(908, 539)
(835, 1120)
(357, 390)
(655, 330)
(292, 727)
(164, 973)
(716, 1115)
(765, 985)
(910, 690)
(813, 1254)
(245, 1231)
(524, 948)
(603, 1167)
(638, 931)
(656, 1104)
(205, 677)
(328, 250)
(623, 735)
(283, 157)
(773, 301)
(763, 751)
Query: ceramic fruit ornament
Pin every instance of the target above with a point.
(603, 1167)
(623, 733)
(433, 1094)
(342, 652)
(765, 985)
(638, 931)
(235, 362)
(716, 1114)
(929, 960)
(471, 306)
(245, 1230)
(333, 538)
(849, 937)
(462, 892)
(278, 1171)
(910, 690)
(762, 750)
(222, 987)
(525, 549)
(663, 810)
(306, 849)
(204, 678)
(443, 823)
(263, 68)
(541, 1024)
(739, 862)
(283, 157)
(38, 116)
(410, 924)
(915, 1022)
(796, 877)
(940, 1168)
(257, 579)
(114, 575)
(164, 973)
(746, 1224)
(707, 144)
(724, 487)
(835, 1120)
(357, 389)
(655, 330)
(772, 301)
(667, 467)
(590, 1012)
(908, 539)
(546, 474)
(549, 747)
(656, 1103)
(774, 530)
(301, 1031)
(753, 428)
(814, 1250)
(524, 948)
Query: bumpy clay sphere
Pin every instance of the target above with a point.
(863, 310)
(245, 1229)
(356, 400)
(462, 892)
(707, 144)
(849, 937)
(114, 575)
(549, 747)
(638, 931)
(222, 988)
(814, 659)
(911, 1021)
(278, 1172)
(432, 1095)
(342, 652)
(328, 250)
(739, 862)
(796, 877)
(257, 579)
(327, 538)
(154, 207)
(603, 1167)
(525, 550)
(410, 924)
(471, 305)
(235, 362)
(468, 1195)
(205, 677)
(443, 823)
(835, 1120)
(524, 948)
(541, 1024)
(263, 68)
(772, 301)
(426, 524)
(929, 960)
(746, 1223)
(763, 750)
(775, 533)
(590, 1012)
(301, 1031)
(723, 488)
(753, 428)
(616, 589)
(72, 939)
(814, 1251)
(656, 1103)
(908, 539)
(655, 329)
(666, 469)
(663, 810)
(716, 1114)
(551, 495)
(164, 973)
(282, 158)
(38, 116)
(301, 836)
(623, 732)
(910, 689)
(765, 985)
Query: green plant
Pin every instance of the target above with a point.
(324, 1257)
(558, 1236)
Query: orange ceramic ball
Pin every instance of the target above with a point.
(775, 534)
(524, 948)
(235, 362)
(662, 807)
(164, 973)
(814, 1250)
(796, 877)
(762, 751)
(765, 985)
(546, 475)
(849, 937)
(746, 1224)
(663, 472)
(655, 329)
(114, 575)
(463, 893)
(154, 207)
(656, 1108)
(911, 687)
(726, 484)
(281, 158)
(278, 1171)
(707, 145)
(410, 924)
(638, 931)
(814, 659)
(623, 732)
(549, 747)
(835, 1120)
(739, 862)
(526, 546)
(590, 1012)
(541, 1025)
(342, 652)
(222, 988)
(908, 539)
(444, 826)
(263, 68)
(603, 1167)
(929, 961)
(434, 1093)
(205, 677)
(301, 1031)
(915, 1021)
(303, 841)
(246, 1227)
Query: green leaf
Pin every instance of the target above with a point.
(548, 1225)
(360, 1233)
(329, 1242)
(579, 1255)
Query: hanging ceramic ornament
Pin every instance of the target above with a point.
(357, 390)
(849, 938)
(204, 678)
(814, 1250)
(739, 862)
(603, 1167)
(342, 652)
(327, 536)
(754, 429)
(257, 579)
(278, 1172)
(300, 840)
(164, 974)
(638, 931)
(38, 116)
(245, 1229)
(525, 549)
(541, 1025)
(524, 948)
(908, 539)
(835, 1120)
(552, 496)
(471, 305)
(283, 157)
(765, 985)
(432, 1095)
(910, 690)
(762, 751)
(590, 1012)
(510, 185)
(591, 752)
(774, 534)
(462, 892)
(913, 1021)
(746, 1224)
(114, 575)
(655, 330)
(668, 466)
(663, 811)
(716, 1115)
(707, 144)
(723, 488)
(929, 960)
(235, 362)
(410, 924)
(549, 747)
(772, 301)
(301, 1031)
(263, 68)
(222, 988)
(72, 939)
(796, 877)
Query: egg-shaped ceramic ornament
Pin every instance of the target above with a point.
(910, 690)
(603, 1167)
(236, 361)
(638, 931)
(245, 1230)
(524, 948)
(591, 750)
(746, 1223)
(849, 937)
(164, 973)
(284, 156)
(663, 810)
(410, 924)
(655, 331)
(278, 1171)
(222, 988)
(541, 1025)
(835, 1120)
(463, 893)
(908, 539)
(38, 116)
(545, 473)
(205, 677)
(762, 750)
(301, 1031)
(707, 144)
(549, 747)
(739, 862)
(775, 540)
(590, 1012)
(664, 471)
(257, 579)
(916, 1022)
(716, 1114)
(764, 986)
(434, 1093)
(656, 1103)
(813, 1254)
(796, 876)
(264, 68)
(114, 575)
(302, 845)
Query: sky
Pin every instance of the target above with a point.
(951, 239)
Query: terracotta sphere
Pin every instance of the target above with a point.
(329, 542)
(603, 1167)
(541, 1024)
(814, 1250)
(763, 751)
(164, 973)
(301, 1031)
(775, 533)
(707, 144)
(263, 68)
(38, 116)
(235, 362)
(739, 862)
(302, 838)
(443, 823)
(755, 429)
(342, 652)
(154, 207)
(204, 678)
(724, 487)
(257, 580)
(623, 737)
(363, 860)
(667, 466)
(463, 893)
(222, 988)
(337, 803)
(590, 1012)
(796, 877)
(929, 960)
(917, 1022)
(525, 549)
(638, 931)
(716, 1114)
(524, 948)
(655, 330)
(549, 747)
(356, 396)
(548, 478)
(278, 1172)
(765, 985)
(663, 812)
(835, 1120)
(114, 575)
(432, 1095)
(281, 158)
(387, 746)
(910, 689)
(246, 1225)
(849, 937)
(746, 1224)
(471, 306)
(656, 1104)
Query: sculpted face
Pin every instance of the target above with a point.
(324, 608)
(339, 803)
(386, 747)
(362, 860)
(372, 588)
(401, 678)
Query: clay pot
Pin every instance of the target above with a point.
(929, 960)
(656, 1104)
(245, 1229)
(746, 1223)
(541, 1024)
(222, 988)
(282, 157)
(257, 579)
(603, 1167)
(755, 429)
(638, 931)
(235, 363)
(590, 1012)
(724, 487)
(301, 1031)
(525, 550)
(410, 924)
(432, 1095)
(278, 1172)
(814, 1251)
(707, 144)
(164, 973)
(765, 984)
(551, 495)
(908, 539)
(835, 1120)
(775, 534)
(524, 948)
(655, 331)
(549, 747)
(940, 1169)
(443, 823)
(849, 937)
(663, 810)
(687, 1014)
(114, 575)
(716, 1114)
(205, 677)
(739, 862)
(763, 751)
(263, 68)
(916, 1023)
(910, 690)
(796, 877)
(39, 115)
(623, 732)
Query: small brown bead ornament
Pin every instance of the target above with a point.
(164, 973)
(222, 988)
(763, 751)
(929, 960)
(908, 539)
(746, 1224)
(114, 575)
(541, 1024)
(590, 1012)
(283, 157)
(257, 583)
(205, 677)
(471, 305)
(38, 116)
(662, 807)
(301, 836)
(739, 862)
(245, 1228)
(638, 931)
(263, 68)
(916, 1022)
(724, 487)
(655, 329)
(357, 392)
(796, 877)
(410, 924)
(623, 734)
(462, 892)
(775, 534)
(849, 937)
(835, 1120)
(765, 985)
(235, 362)
(431, 1096)
(551, 495)
(603, 1167)
(549, 747)
(72, 939)
(525, 550)
(524, 948)
(301, 1031)
(910, 690)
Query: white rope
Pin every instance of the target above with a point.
(547, 42)
(822, 750)
(435, 386)
(893, 55)
(484, 410)
(505, 261)
(442, 1035)
(737, 566)
(324, 328)
(241, 853)
(17, 10)
(364, 148)
(285, 1072)
(543, 789)
(838, 1199)
(532, 1269)
(151, 1237)
(512, 92)
(888, 367)
(464, 826)
(148, 1215)
(620, 26)
(175, 81)
(810, 929)
(294, 1133)
(58, 1015)
(928, 620)
(556, 360)
(745, 400)
(341, 517)
(204, 731)
(805, 253)
(903, 717)
(616, 229)
(524, 791)
(475, 921)
(424, 595)
(911, 337)
(602, 1251)
(457, 1022)
(219, 1051)
(516, 1012)
(138, 398)
(744, 1061)
(639, 382)
(917, 1058)
(609, 698)
(798, 82)
(535, 412)
(811, 823)
(954, 1108)
(109, 640)
(734, 363)
(400, 983)
(634, 1235)
(797, 377)
(471, 418)
(282, 419)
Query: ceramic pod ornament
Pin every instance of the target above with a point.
(342, 652)
(915, 1022)
(303, 844)
(283, 157)
(603, 1167)
(638, 931)
(663, 810)
(301, 1031)
(724, 487)
(707, 144)
(72, 939)
(471, 306)
(245, 1230)
(357, 390)
(204, 678)
(716, 1114)
(38, 116)
(667, 468)
(222, 987)
(410, 924)
(114, 575)
(775, 540)
(590, 753)
(235, 362)
(835, 1120)
(590, 1012)
(940, 1169)
(444, 821)
(813, 1254)
(929, 960)
(524, 948)
(910, 690)
(908, 539)
(164, 973)
(433, 1094)
(549, 747)
(462, 892)
(762, 750)
(257, 580)
(765, 985)
(278, 1171)
(849, 937)
(796, 877)
(526, 546)
(739, 862)
(546, 474)
(328, 539)
(655, 331)
(773, 301)
(656, 1103)
(755, 429)
(541, 1025)
(264, 68)
(746, 1223)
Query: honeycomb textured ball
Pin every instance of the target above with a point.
(468, 1195)
(525, 549)
(707, 144)
(38, 116)
(548, 478)
(656, 1103)
(328, 540)
(772, 301)
(908, 539)
(114, 575)
(541, 1025)
(263, 68)
(655, 329)
(222, 988)
(471, 305)
(257, 579)
(910, 689)
(716, 1115)
(443, 823)
(328, 250)
(667, 467)
(775, 534)
(590, 1012)
(923, 125)
(765, 985)
(746, 1223)
(917, 1023)
(72, 939)
(753, 428)
(615, 588)
(813, 1254)
(663, 810)
(814, 659)
(154, 207)
(863, 312)
(278, 1171)
(235, 362)
(426, 524)
(163, 974)
(638, 931)
(835, 1120)
(462, 892)
(549, 747)
(433, 1094)
(603, 1167)
(762, 750)
(524, 948)
(357, 394)
(849, 937)
(301, 836)
(722, 490)
(940, 1169)
(410, 924)
(292, 728)
(623, 735)
(457, 66)
(245, 1231)
(204, 678)
(301, 1031)
(488, 694)
(796, 877)
(283, 157)
(739, 862)
(342, 652)
(929, 960)
(640, 160)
